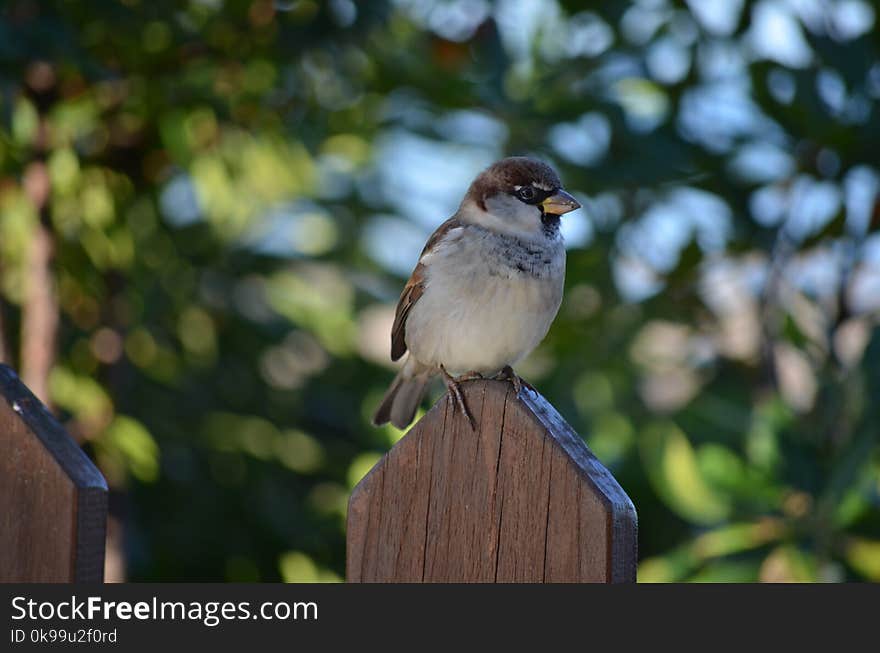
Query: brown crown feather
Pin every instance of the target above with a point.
(505, 175)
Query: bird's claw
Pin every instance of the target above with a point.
(455, 395)
(507, 374)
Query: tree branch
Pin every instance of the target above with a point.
(40, 319)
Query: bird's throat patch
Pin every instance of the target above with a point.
(550, 222)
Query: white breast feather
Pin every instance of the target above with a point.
(479, 311)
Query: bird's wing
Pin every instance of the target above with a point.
(414, 289)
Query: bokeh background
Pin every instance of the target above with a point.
(208, 209)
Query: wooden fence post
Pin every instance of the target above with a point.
(521, 500)
(53, 500)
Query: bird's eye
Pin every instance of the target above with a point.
(526, 193)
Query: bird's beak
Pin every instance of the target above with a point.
(560, 202)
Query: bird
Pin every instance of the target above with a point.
(485, 290)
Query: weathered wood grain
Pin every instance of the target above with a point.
(53, 500)
(521, 500)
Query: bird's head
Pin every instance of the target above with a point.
(519, 196)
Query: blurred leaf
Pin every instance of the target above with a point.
(720, 466)
(359, 467)
(298, 567)
(726, 572)
(864, 555)
(786, 564)
(611, 436)
(127, 443)
(736, 538)
(300, 452)
(318, 298)
(762, 440)
(25, 122)
(673, 468)
(668, 568)
(82, 396)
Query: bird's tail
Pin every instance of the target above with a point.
(400, 403)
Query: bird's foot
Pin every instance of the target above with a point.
(507, 374)
(455, 395)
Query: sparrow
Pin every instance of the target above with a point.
(486, 288)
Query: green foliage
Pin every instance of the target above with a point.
(237, 189)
